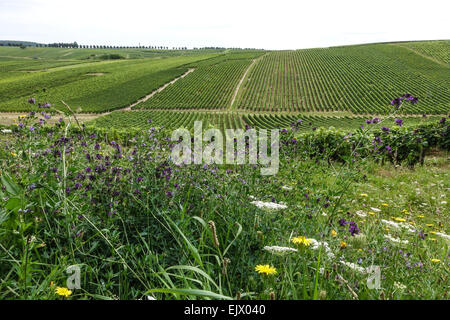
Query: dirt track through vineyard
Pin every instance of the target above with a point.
(155, 92)
(242, 80)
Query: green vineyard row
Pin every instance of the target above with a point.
(146, 119)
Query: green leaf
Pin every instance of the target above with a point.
(3, 216)
(192, 292)
(196, 270)
(13, 204)
(11, 187)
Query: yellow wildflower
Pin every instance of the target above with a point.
(14, 154)
(385, 204)
(420, 216)
(265, 269)
(63, 291)
(429, 225)
(333, 233)
(435, 260)
(301, 241)
(22, 116)
(363, 195)
(399, 219)
(343, 245)
(371, 213)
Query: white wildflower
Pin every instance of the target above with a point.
(354, 266)
(6, 131)
(376, 209)
(398, 285)
(279, 250)
(269, 205)
(398, 225)
(392, 239)
(316, 244)
(443, 235)
(360, 213)
(286, 188)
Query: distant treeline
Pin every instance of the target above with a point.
(75, 45)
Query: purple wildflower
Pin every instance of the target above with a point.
(353, 229)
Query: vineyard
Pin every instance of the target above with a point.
(437, 50)
(67, 54)
(146, 119)
(337, 86)
(211, 86)
(89, 87)
(361, 79)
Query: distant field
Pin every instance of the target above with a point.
(337, 86)
(94, 86)
(69, 54)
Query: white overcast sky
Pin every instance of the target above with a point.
(276, 24)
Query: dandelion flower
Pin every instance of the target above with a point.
(265, 269)
(63, 291)
(435, 260)
(301, 241)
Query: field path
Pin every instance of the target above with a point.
(242, 80)
(154, 92)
